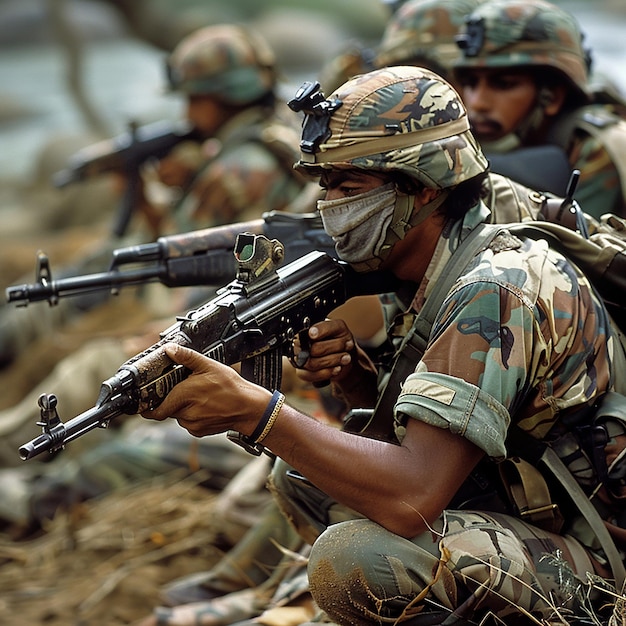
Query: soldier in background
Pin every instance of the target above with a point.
(423, 33)
(243, 164)
(242, 168)
(524, 78)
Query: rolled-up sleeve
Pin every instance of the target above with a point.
(463, 408)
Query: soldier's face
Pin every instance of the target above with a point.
(346, 183)
(497, 100)
(206, 114)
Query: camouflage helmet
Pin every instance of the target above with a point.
(423, 32)
(521, 33)
(401, 119)
(231, 62)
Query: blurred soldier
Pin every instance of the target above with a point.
(242, 168)
(523, 77)
(423, 33)
(419, 32)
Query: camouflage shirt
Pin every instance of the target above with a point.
(520, 337)
(248, 170)
(599, 189)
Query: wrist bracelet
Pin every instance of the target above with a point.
(252, 443)
(269, 414)
(274, 407)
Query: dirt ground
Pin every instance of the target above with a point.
(103, 563)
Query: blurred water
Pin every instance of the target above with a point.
(123, 79)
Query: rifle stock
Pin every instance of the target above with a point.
(251, 321)
(202, 257)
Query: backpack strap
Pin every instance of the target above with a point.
(380, 426)
(529, 494)
(538, 452)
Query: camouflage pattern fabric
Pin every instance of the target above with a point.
(247, 170)
(230, 62)
(472, 563)
(534, 296)
(596, 147)
(503, 34)
(423, 32)
(517, 292)
(507, 33)
(431, 141)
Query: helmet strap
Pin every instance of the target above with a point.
(405, 217)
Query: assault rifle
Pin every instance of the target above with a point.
(125, 153)
(202, 257)
(251, 321)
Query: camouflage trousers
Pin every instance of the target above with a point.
(470, 565)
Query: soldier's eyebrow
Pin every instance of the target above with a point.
(332, 179)
(337, 177)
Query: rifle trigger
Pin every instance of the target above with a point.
(298, 360)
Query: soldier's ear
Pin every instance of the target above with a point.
(553, 98)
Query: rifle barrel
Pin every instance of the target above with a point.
(61, 434)
(75, 285)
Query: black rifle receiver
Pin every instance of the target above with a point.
(252, 320)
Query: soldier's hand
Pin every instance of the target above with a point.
(324, 352)
(214, 398)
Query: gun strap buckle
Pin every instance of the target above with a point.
(247, 443)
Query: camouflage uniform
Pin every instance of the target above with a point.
(249, 171)
(245, 168)
(538, 35)
(532, 344)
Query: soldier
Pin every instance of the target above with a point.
(423, 33)
(524, 79)
(418, 32)
(243, 168)
(228, 76)
(405, 519)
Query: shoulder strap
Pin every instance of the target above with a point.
(380, 425)
(538, 452)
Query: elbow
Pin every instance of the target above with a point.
(409, 520)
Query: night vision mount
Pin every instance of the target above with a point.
(318, 110)
(472, 40)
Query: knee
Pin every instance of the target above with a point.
(349, 572)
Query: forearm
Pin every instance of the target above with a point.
(377, 479)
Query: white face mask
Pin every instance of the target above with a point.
(359, 225)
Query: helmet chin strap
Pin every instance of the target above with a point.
(405, 217)
(527, 127)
